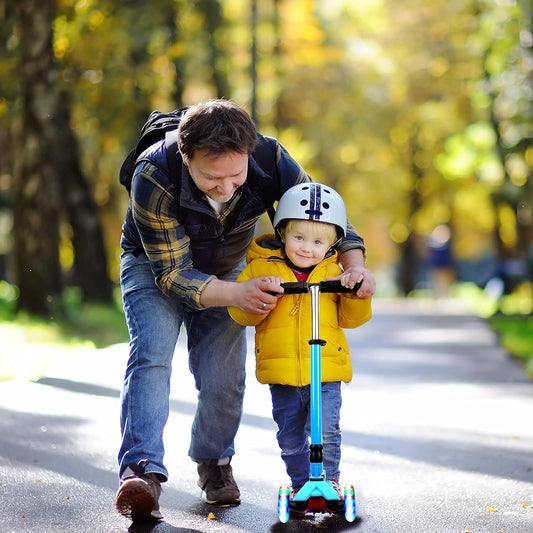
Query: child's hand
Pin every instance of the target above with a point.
(353, 265)
(276, 289)
(276, 282)
(349, 279)
(355, 274)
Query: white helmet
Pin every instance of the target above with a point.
(311, 201)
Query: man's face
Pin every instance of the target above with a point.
(218, 176)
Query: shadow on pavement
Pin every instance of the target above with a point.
(78, 386)
(499, 461)
(333, 524)
(43, 441)
(489, 459)
(179, 406)
(330, 523)
(158, 527)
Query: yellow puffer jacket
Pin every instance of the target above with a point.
(282, 336)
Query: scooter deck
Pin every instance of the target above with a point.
(316, 496)
(316, 488)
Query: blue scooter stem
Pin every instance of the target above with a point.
(316, 385)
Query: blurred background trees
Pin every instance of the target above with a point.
(418, 112)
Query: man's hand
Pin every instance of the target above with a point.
(251, 295)
(256, 297)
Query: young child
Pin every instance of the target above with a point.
(309, 221)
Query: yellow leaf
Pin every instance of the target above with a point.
(526, 505)
(491, 509)
(211, 516)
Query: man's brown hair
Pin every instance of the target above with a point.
(216, 127)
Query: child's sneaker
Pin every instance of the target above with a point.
(336, 485)
(336, 506)
(296, 508)
(138, 493)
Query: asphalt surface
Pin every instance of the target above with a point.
(437, 438)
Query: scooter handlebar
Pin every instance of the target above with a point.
(299, 287)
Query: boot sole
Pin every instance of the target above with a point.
(136, 503)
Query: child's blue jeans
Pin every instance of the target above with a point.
(291, 412)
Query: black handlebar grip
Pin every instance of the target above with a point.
(295, 287)
(336, 286)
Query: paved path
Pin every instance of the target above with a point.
(437, 437)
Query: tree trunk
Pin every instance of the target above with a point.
(409, 256)
(173, 14)
(214, 21)
(253, 62)
(407, 267)
(90, 261)
(37, 200)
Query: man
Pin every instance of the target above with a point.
(184, 242)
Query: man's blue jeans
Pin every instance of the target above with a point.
(291, 412)
(217, 352)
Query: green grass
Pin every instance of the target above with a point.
(32, 344)
(516, 336)
(510, 316)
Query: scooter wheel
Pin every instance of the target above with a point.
(349, 503)
(283, 504)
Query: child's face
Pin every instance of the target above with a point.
(306, 244)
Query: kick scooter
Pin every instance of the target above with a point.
(317, 495)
